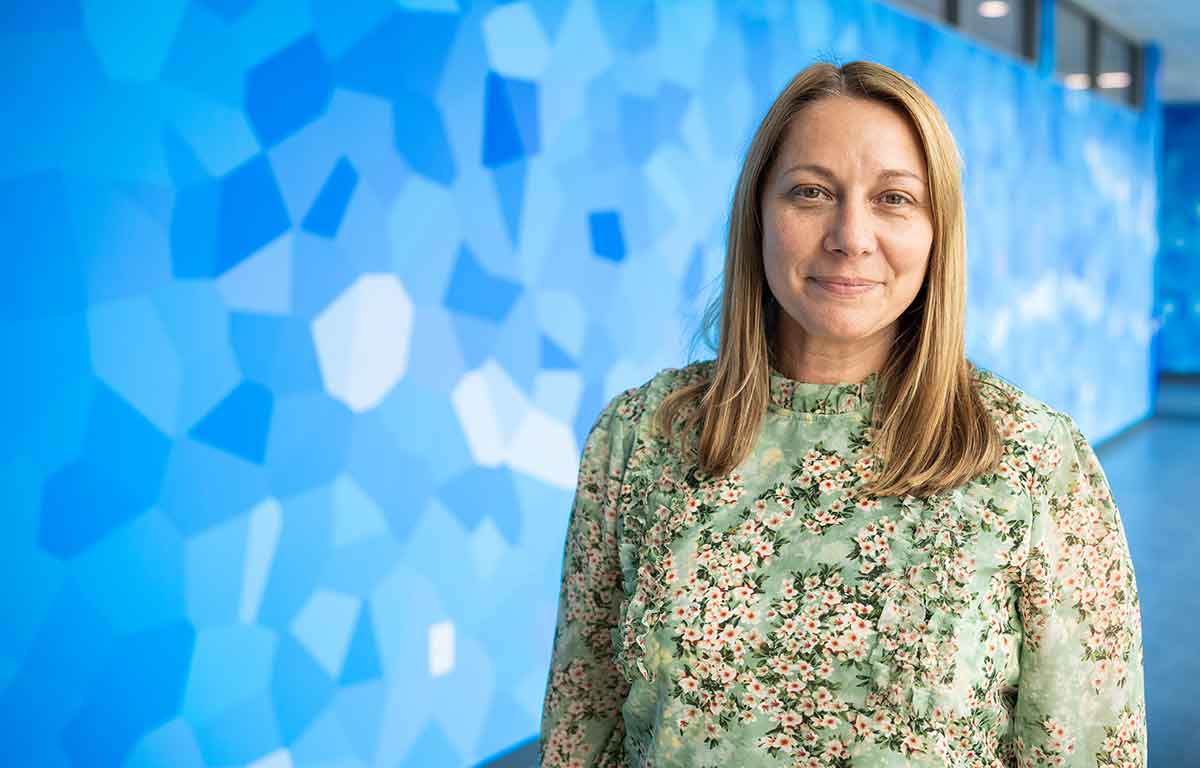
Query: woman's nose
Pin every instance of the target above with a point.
(851, 233)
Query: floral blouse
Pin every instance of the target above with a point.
(775, 617)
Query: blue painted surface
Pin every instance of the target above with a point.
(498, 215)
(1178, 276)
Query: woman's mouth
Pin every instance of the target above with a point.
(843, 287)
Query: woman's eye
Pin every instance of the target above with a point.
(808, 193)
(895, 198)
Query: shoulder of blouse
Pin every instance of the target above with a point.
(1021, 417)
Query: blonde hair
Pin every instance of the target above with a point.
(931, 430)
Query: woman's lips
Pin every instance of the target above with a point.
(839, 288)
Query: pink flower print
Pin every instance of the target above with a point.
(835, 748)
(911, 743)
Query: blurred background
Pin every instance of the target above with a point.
(309, 304)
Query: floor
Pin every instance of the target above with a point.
(1154, 471)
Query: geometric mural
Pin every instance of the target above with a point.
(309, 305)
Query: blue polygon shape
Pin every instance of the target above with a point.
(510, 110)
(183, 164)
(276, 351)
(117, 478)
(421, 137)
(229, 9)
(461, 496)
(72, 644)
(476, 338)
(288, 91)
(300, 689)
(362, 657)
(296, 462)
(41, 272)
(239, 424)
(79, 505)
(553, 356)
(241, 734)
(406, 53)
(193, 502)
(139, 689)
(20, 19)
(252, 213)
(194, 228)
(472, 291)
(648, 122)
(607, 240)
(639, 130)
(510, 191)
(405, 482)
(325, 215)
(432, 748)
(631, 26)
(340, 25)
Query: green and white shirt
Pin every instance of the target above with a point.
(775, 617)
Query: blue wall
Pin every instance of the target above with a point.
(1178, 274)
(309, 307)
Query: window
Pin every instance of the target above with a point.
(1089, 55)
(1071, 47)
(1118, 63)
(1009, 25)
(933, 8)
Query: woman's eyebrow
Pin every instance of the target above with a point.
(821, 170)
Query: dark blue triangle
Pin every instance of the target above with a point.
(362, 659)
(553, 356)
(239, 424)
(325, 216)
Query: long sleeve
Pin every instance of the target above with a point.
(581, 716)
(1080, 699)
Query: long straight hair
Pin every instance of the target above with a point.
(930, 430)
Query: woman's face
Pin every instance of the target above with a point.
(847, 224)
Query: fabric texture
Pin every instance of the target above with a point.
(775, 617)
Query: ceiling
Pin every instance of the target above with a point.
(1174, 25)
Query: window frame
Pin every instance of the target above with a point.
(1092, 45)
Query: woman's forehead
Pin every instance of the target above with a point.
(841, 131)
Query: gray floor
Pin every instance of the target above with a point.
(1154, 469)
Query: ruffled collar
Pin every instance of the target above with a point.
(806, 397)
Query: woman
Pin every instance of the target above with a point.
(839, 542)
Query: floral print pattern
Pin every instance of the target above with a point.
(776, 616)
